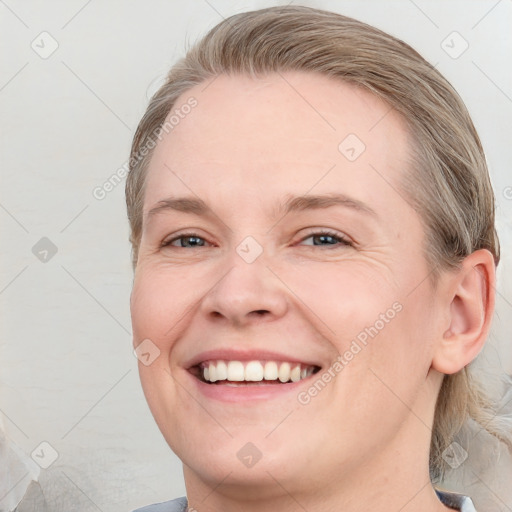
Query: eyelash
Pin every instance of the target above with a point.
(337, 236)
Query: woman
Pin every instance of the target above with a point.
(314, 248)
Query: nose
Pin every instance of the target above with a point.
(247, 293)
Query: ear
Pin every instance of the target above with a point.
(471, 299)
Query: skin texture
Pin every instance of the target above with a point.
(362, 443)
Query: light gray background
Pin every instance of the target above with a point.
(67, 373)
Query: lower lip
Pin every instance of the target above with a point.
(226, 393)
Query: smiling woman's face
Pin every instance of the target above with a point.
(241, 271)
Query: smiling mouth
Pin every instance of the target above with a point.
(251, 373)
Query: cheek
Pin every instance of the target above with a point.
(343, 298)
(379, 331)
(394, 365)
(160, 302)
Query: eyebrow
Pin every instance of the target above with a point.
(197, 206)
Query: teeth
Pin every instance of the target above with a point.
(254, 371)
(295, 374)
(284, 372)
(271, 370)
(222, 370)
(235, 371)
(212, 370)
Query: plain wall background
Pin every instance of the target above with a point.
(67, 373)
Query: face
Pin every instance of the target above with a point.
(277, 245)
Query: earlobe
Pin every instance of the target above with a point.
(471, 303)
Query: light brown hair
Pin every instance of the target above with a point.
(448, 183)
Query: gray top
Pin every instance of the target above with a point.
(450, 499)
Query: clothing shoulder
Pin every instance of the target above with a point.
(456, 501)
(450, 499)
(177, 505)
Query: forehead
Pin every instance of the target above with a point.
(280, 134)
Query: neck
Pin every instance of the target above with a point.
(387, 476)
(396, 478)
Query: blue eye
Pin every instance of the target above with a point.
(324, 238)
(327, 238)
(194, 241)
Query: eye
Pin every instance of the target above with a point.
(185, 240)
(319, 238)
(327, 238)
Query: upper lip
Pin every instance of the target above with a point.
(229, 354)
